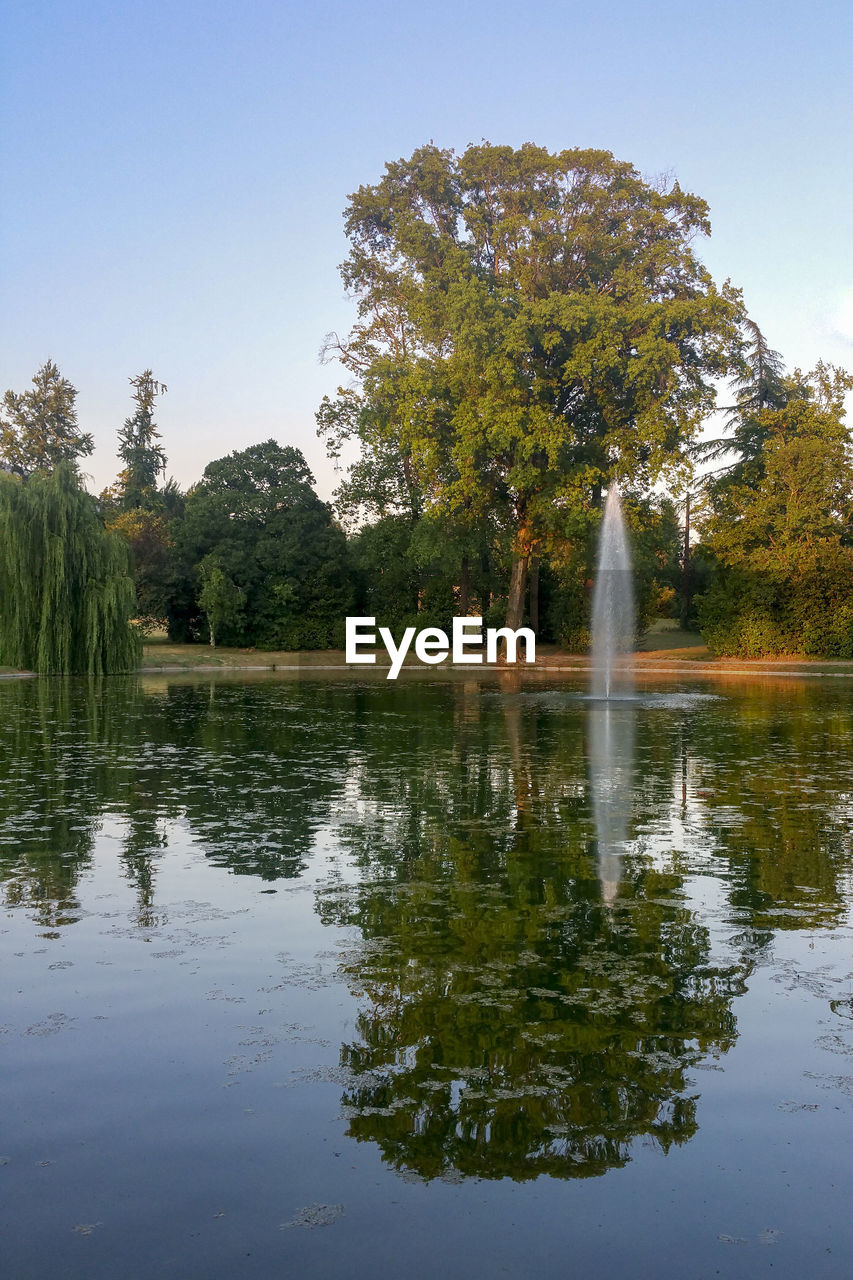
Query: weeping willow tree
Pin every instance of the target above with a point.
(66, 585)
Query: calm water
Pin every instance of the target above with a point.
(443, 978)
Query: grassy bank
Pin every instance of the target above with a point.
(664, 639)
(668, 651)
(665, 648)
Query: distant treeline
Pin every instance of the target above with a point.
(531, 326)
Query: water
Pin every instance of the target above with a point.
(611, 778)
(334, 978)
(613, 613)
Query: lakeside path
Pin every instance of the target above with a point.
(686, 661)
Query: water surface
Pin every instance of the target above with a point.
(459, 977)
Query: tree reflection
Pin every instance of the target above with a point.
(506, 1038)
(248, 774)
(49, 789)
(769, 770)
(516, 1018)
(252, 769)
(511, 1020)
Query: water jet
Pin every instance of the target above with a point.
(613, 612)
(611, 720)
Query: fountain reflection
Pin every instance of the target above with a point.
(611, 729)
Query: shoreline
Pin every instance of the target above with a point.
(691, 662)
(187, 660)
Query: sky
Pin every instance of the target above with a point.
(174, 176)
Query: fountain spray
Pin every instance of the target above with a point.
(613, 614)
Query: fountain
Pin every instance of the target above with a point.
(613, 615)
(612, 711)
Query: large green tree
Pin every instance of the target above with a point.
(530, 324)
(255, 518)
(38, 428)
(66, 591)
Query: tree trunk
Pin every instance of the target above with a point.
(534, 594)
(486, 597)
(685, 585)
(517, 591)
(464, 588)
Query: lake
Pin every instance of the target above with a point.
(457, 976)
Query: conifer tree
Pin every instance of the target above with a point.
(760, 386)
(38, 428)
(134, 506)
(143, 457)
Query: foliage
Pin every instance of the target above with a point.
(143, 457)
(657, 545)
(759, 384)
(140, 511)
(568, 581)
(780, 530)
(423, 572)
(810, 612)
(66, 595)
(382, 480)
(388, 579)
(150, 541)
(220, 598)
(38, 428)
(257, 514)
(567, 614)
(530, 324)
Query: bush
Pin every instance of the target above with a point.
(746, 616)
(830, 636)
(568, 615)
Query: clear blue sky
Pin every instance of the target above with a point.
(174, 175)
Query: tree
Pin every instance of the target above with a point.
(780, 528)
(529, 325)
(382, 481)
(140, 511)
(148, 536)
(221, 600)
(38, 428)
(143, 457)
(257, 514)
(66, 591)
(759, 384)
